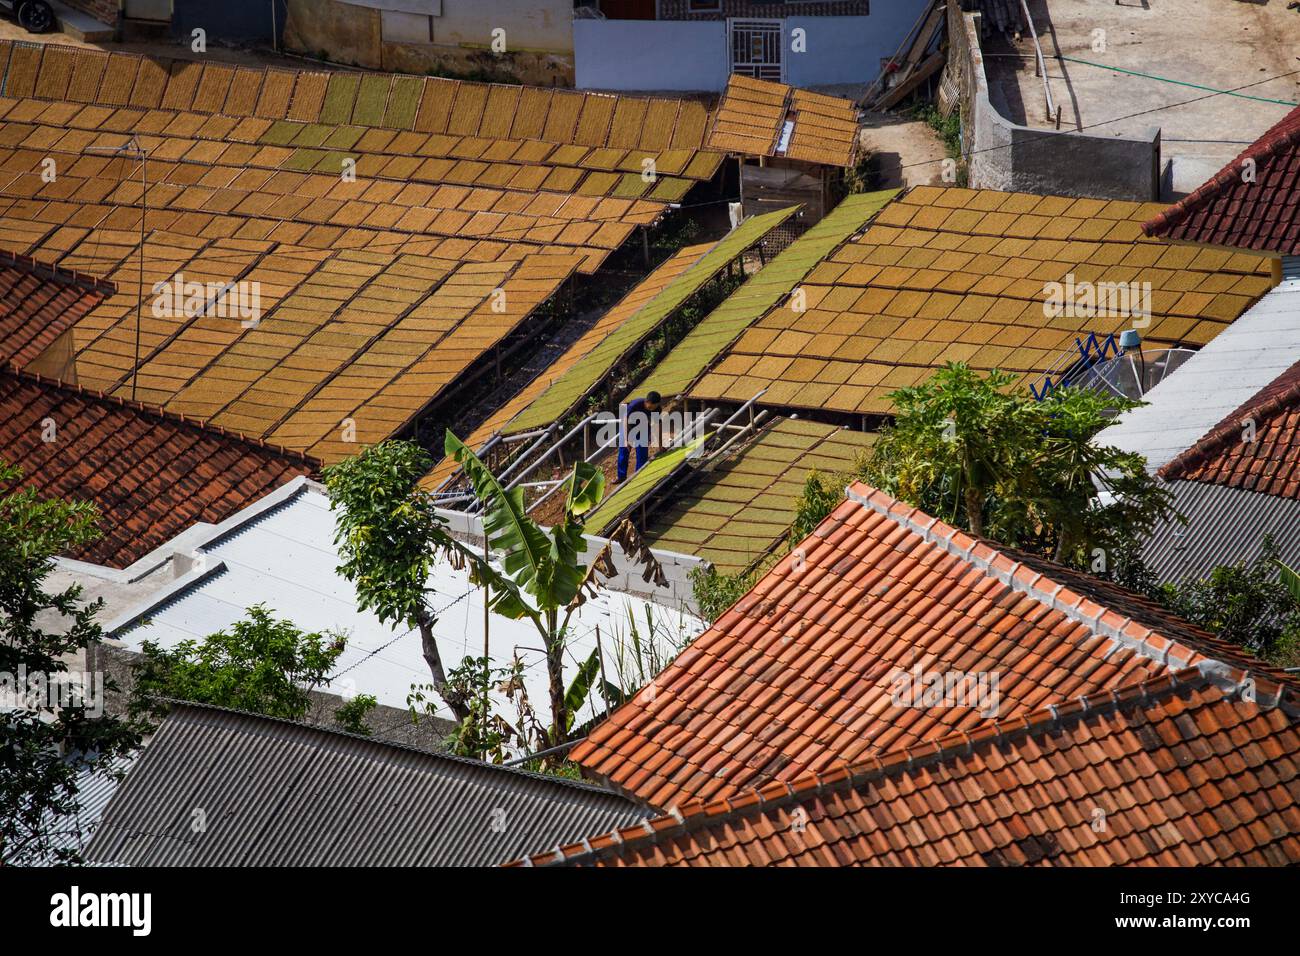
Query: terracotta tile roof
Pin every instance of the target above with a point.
(734, 515)
(949, 274)
(799, 674)
(753, 116)
(39, 303)
(1257, 447)
(150, 474)
(1180, 770)
(1249, 204)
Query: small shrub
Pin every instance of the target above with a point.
(716, 591)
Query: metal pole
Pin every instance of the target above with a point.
(139, 294)
(487, 656)
(562, 748)
(600, 655)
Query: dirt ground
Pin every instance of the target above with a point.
(906, 151)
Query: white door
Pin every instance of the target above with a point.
(756, 48)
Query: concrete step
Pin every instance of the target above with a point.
(144, 31)
(80, 26)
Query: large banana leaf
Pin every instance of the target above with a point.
(545, 567)
(586, 489)
(1290, 578)
(580, 687)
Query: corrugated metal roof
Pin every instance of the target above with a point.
(222, 788)
(1224, 525)
(95, 788)
(1228, 372)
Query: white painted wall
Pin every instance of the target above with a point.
(529, 24)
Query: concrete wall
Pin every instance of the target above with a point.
(693, 54)
(339, 32)
(454, 40)
(1004, 155)
(392, 725)
(530, 25)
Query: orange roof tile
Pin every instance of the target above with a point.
(1182, 770)
(1256, 448)
(150, 474)
(800, 674)
(1249, 204)
(39, 303)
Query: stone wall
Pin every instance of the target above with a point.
(356, 36)
(389, 724)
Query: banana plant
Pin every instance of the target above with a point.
(1290, 579)
(543, 571)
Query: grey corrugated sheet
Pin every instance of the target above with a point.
(1225, 525)
(1208, 387)
(95, 788)
(276, 793)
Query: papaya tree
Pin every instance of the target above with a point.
(389, 534)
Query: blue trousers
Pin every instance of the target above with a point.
(642, 453)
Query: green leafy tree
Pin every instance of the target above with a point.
(260, 665)
(486, 733)
(821, 493)
(1023, 472)
(1245, 603)
(715, 591)
(389, 534)
(45, 743)
(352, 715)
